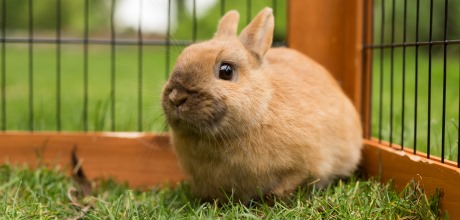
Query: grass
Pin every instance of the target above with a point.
(44, 193)
(127, 88)
(129, 114)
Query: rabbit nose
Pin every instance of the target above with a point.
(178, 97)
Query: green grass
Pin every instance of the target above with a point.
(72, 88)
(99, 112)
(45, 193)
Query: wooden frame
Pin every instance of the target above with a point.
(138, 158)
(387, 163)
(331, 32)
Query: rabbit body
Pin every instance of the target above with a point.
(281, 120)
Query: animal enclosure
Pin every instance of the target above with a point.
(95, 87)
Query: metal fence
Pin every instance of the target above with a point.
(415, 76)
(29, 40)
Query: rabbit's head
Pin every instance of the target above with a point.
(219, 87)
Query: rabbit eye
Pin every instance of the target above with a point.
(226, 71)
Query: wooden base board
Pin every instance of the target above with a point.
(145, 159)
(401, 167)
(138, 158)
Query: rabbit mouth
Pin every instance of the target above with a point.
(196, 116)
(196, 123)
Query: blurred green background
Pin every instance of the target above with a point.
(127, 60)
(154, 69)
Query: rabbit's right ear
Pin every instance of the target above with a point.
(258, 35)
(228, 24)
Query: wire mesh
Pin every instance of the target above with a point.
(414, 59)
(79, 51)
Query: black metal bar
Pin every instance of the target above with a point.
(413, 44)
(403, 104)
(85, 66)
(222, 7)
(119, 42)
(393, 15)
(195, 26)
(364, 64)
(279, 44)
(416, 75)
(168, 41)
(58, 65)
(112, 66)
(443, 131)
(3, 65)
(428, 146)
(275, 10)
(31, 67)
(139, 69)
(382, 34)
(248, 11)
(371, 69)
(150, 42)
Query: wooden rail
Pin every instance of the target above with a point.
(380, 160)
(145, 160)
(138, 158)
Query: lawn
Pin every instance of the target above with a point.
(45, 193)
(129, 114)
(127, 88)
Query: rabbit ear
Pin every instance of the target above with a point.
(228, 24)
(258, 35)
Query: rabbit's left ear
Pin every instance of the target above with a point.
(258, 35)
(228, 24)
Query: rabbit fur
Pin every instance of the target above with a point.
(280, 121)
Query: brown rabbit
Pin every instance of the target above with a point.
(247, 120)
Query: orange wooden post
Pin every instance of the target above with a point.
(330, 32)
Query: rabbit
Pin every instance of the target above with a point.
(247, 120)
